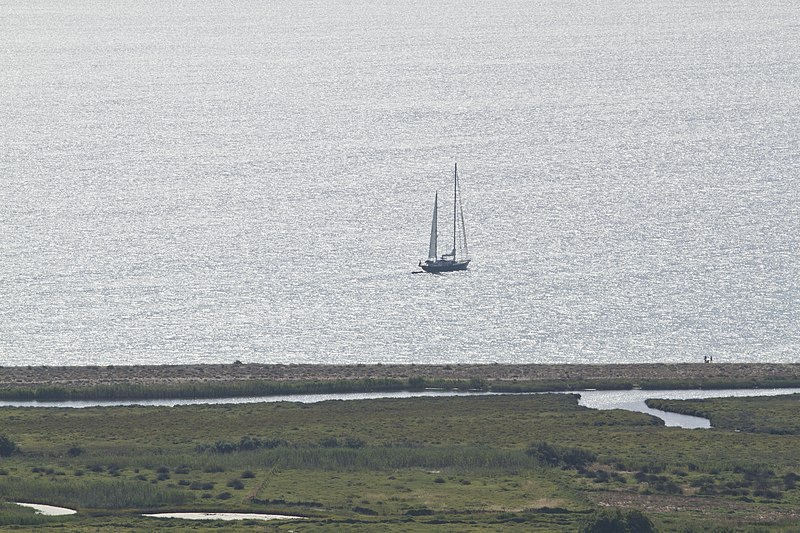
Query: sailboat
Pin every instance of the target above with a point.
(458, 257)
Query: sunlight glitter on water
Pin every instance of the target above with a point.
(179, 187)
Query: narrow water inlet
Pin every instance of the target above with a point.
(629, 400)
(606, 400)
(634, 400)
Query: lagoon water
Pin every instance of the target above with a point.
(48, 510)
(634, 400)
(198, 182)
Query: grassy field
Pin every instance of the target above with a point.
(770, 414)
(502, 463)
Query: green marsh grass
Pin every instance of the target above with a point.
(766, 414)
(98, 494)
(16, 515)
(482, 463)
(233, 389)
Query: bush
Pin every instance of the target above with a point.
(329, 442)
(235, 484)
(249, 443)
(7, 446)
(419, 512)
(75, 451)
(548, 454)
(664, 485)
(246, 443)
(616, 521)
(352, 442)
(224, 447)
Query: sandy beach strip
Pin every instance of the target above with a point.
(83, 376)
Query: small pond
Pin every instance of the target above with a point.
(48, 510)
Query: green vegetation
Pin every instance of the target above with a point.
(7, 446)
(15, 515)
(719, 383)
(239, 389)
(233, 389)
(617, 521)
(475, 463)
(766, 414)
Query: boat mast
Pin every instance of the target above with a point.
(465, 249)
(455, 204)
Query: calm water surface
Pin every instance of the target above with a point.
(48, 510)
(634, 400)
(197, 182)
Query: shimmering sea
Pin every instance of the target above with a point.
(203, 182)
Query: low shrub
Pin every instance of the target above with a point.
(7, 446)
(235, 484)
(75, 451)
(617, 521)
(565, 456)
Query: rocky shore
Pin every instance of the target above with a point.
(84, 376)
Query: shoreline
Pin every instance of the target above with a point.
(693, 374)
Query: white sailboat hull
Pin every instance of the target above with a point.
(444, 265)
